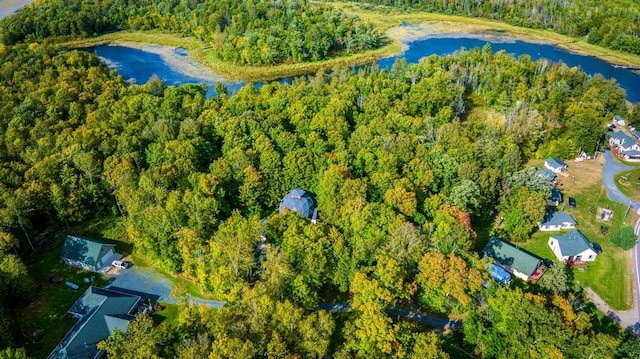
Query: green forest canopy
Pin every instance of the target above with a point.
(251, 32)
(614, 24)
(402, 164)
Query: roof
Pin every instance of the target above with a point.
(555, 162)
(298, 200)
(546, 173)
(83, 250)
(557, 219)
(624, 139)
(618, 118)
(573, 243)
(556, 195)
(102, 310)
(508, 255)
(500, 274)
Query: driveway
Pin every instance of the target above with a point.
(150, 283)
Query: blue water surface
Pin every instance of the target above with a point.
(139, 66)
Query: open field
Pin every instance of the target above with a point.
(385, 18)
(609, 275)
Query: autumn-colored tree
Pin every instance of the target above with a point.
(447, 283)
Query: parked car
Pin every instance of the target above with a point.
(121, 264)
(596, 247)
(547, 262)
(572, 202)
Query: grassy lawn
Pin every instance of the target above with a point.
(630, 186)
(48, 310)
(609, 274)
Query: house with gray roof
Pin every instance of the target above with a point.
(518, 262)
(555, 164)
(298, 200)
(100, 311)
(546, 174)
(555, 198)
(89, 254)
(624, 146)
(572, 247)
(557, 221)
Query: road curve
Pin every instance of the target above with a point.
(611, 168)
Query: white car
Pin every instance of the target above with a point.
(120, 264)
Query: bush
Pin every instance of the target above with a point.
(625, 238)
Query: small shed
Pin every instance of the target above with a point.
(557, 221)
(555, 164)
(618, 120)
(88, 254)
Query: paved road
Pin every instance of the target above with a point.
(611, 168)
(629, 319)
(429, 320)
(148, 281)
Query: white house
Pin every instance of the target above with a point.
(624, 146)
(557, 221)
(618, 120)
(572, 247)
(555, 164)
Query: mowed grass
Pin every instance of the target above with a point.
(628, 182)
(609, 275)
(48, 309)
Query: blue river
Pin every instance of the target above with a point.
(139, 66)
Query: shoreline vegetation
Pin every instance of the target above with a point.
(226, 71)
(385, 19)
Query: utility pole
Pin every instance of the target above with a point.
(624, 221)
(595, 153)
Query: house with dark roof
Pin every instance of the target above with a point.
(572, 247)
(624, 146)
(518, 262)
(555, 164)
(557, 221)
(89, 254)
(299, 201)
(555, 198)
(100, 311)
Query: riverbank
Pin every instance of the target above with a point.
(389, 20)
(203, 54)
